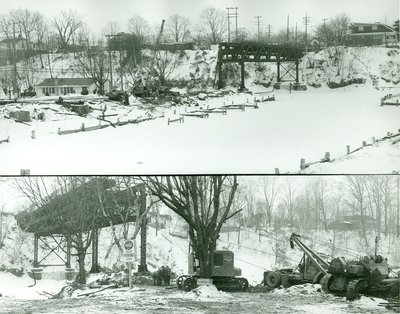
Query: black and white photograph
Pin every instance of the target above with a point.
(200, 244)
(192, 87)
(182, 156)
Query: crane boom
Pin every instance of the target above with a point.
(317, 260)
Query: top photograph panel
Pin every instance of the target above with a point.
(193, 87)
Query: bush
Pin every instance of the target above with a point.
(343, 83)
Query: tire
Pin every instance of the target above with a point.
(285, 281)
(273, 279)
(189, 284)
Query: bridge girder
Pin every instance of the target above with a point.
(255, 52)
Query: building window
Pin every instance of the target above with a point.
(44, 90)
(374, 27)
(377, 36)
(84, 89)
(360, 28)
(52, 90)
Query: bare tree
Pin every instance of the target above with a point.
(139, 27)
(270, 190)
(162, 65)
(212, 25)
(93, 63)
(199, 201)
(288, 199)
(319, 186)
(335, 31)
(124, 204)
(177, 28)
(79, 212)
(357, 193)
(67, 24)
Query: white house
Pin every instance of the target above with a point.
(64, 86)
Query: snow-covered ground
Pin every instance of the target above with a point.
(277, 135)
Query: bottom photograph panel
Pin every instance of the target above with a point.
(200, 244)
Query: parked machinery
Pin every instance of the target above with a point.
(223, 273)
(369, 274)
(311, 269)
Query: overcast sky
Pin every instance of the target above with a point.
(97, 13)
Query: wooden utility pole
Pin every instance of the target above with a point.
(258, 17)
(269, 32)
(232, 15)
(287, 29)
(306, 21)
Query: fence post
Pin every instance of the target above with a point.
(302, 164)
(276, 170)
(83, 127)
(327, 156)
(348, 149)
(8, 139)
(364, 143)
(33, 135)
(59, 131)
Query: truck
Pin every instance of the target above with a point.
(311, 268)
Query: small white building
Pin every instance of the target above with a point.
(64, 86)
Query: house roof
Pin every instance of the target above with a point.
(374, 24)
(68, 81)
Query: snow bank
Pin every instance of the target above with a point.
(21, 287)
(305, 289)
(204, 293)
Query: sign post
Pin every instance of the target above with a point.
(128, 256)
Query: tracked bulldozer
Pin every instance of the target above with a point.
(366, 275)
(224, 274)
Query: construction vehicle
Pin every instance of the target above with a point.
(223, 274)
(368, 274)
(311, 269)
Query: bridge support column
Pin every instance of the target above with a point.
(36, 251)
(297, 71)
(278, 71)
(143, 234)
(95, 251)
(242, 87)
(219, 70)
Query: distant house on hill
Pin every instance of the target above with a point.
(353, 223)
(64, 86)
(370, 34)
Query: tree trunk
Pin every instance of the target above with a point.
(82, 272)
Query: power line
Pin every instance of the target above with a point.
(306, 21)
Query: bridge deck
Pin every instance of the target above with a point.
(79, 210)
